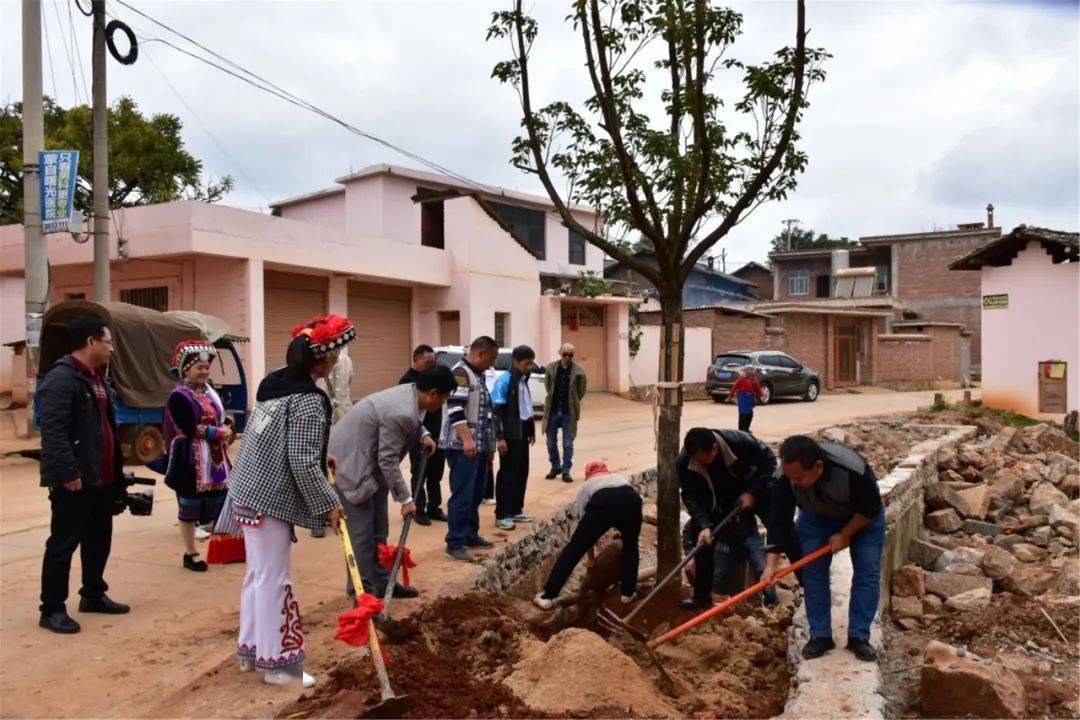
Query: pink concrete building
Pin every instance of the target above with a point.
(1030, 285)
(410, 256)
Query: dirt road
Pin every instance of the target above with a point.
(172, 656)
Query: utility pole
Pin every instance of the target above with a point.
(102, 280)
(787, 232)
(35, 260)
(723, 260)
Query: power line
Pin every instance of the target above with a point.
(48, 51)
(67, 54)
(273, 89)
(78, 53)
(206, 129)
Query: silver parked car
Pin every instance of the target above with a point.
(779, 375)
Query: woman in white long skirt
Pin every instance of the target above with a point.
(280, 481)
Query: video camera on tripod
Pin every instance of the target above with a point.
(139, 503)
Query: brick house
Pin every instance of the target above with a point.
(760, 276)
(705, 285)
(911, 268)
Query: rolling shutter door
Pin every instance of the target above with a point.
(289, 300)
(382, 351)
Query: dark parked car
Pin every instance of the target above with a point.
(779, 375)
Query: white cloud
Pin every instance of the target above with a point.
(931, 109)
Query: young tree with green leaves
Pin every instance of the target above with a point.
(147, 159)
(681, 182)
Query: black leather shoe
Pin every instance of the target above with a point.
(190, 563)
(817, 647)
(405, 592)
(421, 519)
(437, 515)
(479, 542)
(59, 622)
(566, 478)
(862, 649)
(695, 604)
(552, 474)
(104, 605)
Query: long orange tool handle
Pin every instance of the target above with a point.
(736, 599)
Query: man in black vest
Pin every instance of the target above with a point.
(717, 470)
(839, 505)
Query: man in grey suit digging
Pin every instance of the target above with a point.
(369, 444)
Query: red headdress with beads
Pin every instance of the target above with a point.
(326, 333)
(189, 352)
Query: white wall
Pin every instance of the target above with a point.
(1041, 322)
(645, 366)
(12, 327)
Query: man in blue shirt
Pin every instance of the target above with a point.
(515, 431)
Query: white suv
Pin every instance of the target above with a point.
(450, 355)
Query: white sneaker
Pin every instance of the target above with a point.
(542, 602)
(487, 501)
(201, 534)
(247, 664)
(627, 599)
(280, 677)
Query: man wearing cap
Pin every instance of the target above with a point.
(605, 501)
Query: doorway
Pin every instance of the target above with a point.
(583, 327)
(846, 355)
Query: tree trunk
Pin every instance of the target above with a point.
(668, 549)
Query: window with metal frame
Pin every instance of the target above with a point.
(154, 298)
(799, 282)
(502, 328)
(881, 280)
(528, 224)
(577, 249)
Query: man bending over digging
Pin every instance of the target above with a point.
(605, 501)
(839, 504)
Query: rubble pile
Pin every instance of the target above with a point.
(883, 443)
(996, 569)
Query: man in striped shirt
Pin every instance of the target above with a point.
(468, 436)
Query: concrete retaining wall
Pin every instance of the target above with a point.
(837, 685)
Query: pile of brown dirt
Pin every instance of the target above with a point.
(444, 658)
(577, 672)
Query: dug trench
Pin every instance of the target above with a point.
(485, 656)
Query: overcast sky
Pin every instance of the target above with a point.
(930, 110)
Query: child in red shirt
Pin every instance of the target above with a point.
(746, 391)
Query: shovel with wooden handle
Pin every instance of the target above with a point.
(736, 599)
(390, 705)
(418, 477)
(610, 621)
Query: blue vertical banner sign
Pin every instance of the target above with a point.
(59, 170)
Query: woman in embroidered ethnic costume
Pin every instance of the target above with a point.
(196, 438)
(280, 480)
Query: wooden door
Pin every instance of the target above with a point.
(1053, 387)
(845, 355)
(583, 326)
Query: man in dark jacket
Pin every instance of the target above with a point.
(840, 505)
(82, 465)
(515, 431)
(719, 470)
(428, 490)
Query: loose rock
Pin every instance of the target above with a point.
(1044, 497)
(970, 600)
(906, 607)
(944, 521)
(955, 686)
(946, 585)
(998, 564)
(924, 553)
(981, 527)
(909, 581)
(1026, 552)
(1030, 579)
(931, 604)
(956, 559)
